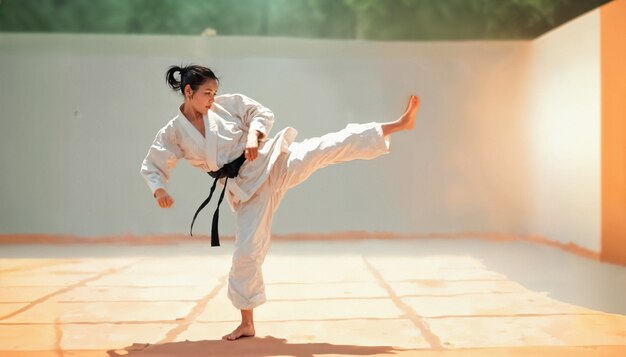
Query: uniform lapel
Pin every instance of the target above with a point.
(210, 128)
(189, 128)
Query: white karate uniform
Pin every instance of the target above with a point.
(255, 194)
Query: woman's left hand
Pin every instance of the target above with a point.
(252, 146)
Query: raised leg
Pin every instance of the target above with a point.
(246, 288)
(354, 142)
(406, 120)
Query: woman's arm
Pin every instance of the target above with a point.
(252, 145)
(255, 116)
(164, 200)
(162, 157)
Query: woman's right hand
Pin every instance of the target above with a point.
(163, 198)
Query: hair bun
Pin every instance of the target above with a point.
(193, 75)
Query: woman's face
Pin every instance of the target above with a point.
(202, 98)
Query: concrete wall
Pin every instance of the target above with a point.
(79, 112)
(507, 138)
(562, 120)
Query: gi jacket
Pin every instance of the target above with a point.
(227, 124)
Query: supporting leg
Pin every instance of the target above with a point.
(246, 288)
(245, 329)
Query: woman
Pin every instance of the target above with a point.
(212, 131)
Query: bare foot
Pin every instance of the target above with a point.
(241, 331)
(407, 120)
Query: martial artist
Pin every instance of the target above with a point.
(212, 131)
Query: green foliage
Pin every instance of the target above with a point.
(363, 19)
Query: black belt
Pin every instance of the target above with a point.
(229, 170)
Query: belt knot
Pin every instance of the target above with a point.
(230, 170)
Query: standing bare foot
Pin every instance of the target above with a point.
(243, 330)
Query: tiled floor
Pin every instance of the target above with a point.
(348, 298)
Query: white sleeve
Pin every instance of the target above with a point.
(161, 158)
(256, 116)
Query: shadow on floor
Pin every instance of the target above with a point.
(255, 346)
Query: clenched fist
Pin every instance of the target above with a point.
(163, 198)
(252, 146)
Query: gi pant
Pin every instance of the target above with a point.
(246, 289)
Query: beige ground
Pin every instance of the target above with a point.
(343, 304)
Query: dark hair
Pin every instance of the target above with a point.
(194, 75)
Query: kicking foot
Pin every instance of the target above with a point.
(240, 331)
(407, 120)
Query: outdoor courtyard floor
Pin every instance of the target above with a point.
(402, 297)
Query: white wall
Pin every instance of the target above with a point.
(507, 139)
(79, 112)
(563, 119)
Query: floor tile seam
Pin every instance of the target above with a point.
(339, 319)
(183, 324)
(510, 346)
(443, 279)
(323, 282)
(58, 338)
(34, 286)
(285, 283)
(494, 316)
(32, 267)
(147, 286)
(433, 340)
(121, 301)
(399, 296)
(483, 273)
(514, 348)
(389, 281)
(50, 273)
(56, 273)
(305, 299)
(171, 274)
(65, 289)
(408, 296)
(168, 322)
(69, 267)
(124, 322)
